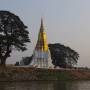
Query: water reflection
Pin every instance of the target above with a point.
(65, 86)
(45, 85)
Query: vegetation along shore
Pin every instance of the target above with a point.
(12, 73)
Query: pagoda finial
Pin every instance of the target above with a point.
(41, 20)
(42, 26)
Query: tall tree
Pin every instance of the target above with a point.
(13, 35)
(63, 56)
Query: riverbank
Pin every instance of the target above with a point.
(12, 73)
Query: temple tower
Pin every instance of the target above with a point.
(41, 54)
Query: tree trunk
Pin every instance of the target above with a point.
(3, 58)
(3, 62)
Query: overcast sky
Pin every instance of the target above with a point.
(65, 21)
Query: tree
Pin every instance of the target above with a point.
(17, 64)
(13, 35)
(63, 56)
(26, 60)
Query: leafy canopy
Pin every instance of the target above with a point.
(63, 56)
(13, 34)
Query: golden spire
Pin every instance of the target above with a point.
(41, 56)
(42, 42)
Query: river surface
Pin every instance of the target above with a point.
(46, 85)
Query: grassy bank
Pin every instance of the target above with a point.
(11, 73)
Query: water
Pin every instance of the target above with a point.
(46, 85)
